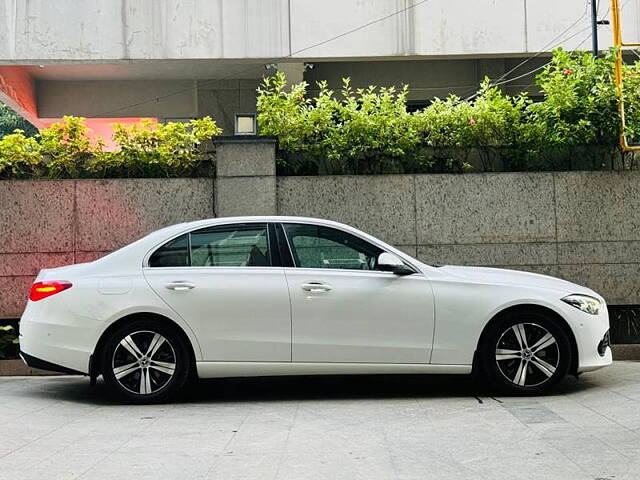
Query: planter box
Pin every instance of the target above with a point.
(629, 351)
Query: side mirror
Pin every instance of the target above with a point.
(392, 263)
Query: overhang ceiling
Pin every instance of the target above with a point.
(148, 70)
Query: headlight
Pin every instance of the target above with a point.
(585, 303)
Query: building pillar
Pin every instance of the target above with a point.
(245, 181)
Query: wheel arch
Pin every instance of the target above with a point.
(95, 367)
(529, 307)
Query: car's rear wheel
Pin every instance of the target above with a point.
(145, 362)
(525, 353)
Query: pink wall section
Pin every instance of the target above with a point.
(17, 90)
(99, 127)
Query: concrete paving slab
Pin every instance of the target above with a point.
(361, 427)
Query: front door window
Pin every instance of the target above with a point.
(316, 246)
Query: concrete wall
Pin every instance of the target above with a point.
(44, 224)
(245, 176)
(144, 29)
(428, 78)
(41, 31)
(220, 100)
(90, 98)
(582, 226)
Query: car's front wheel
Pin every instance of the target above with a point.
(145, 362)
(525, 353)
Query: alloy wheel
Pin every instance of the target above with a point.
(527, 354)
(144, 362)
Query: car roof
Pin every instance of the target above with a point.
(260, 218)
(163, 234)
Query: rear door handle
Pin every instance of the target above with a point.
(315, 287)
(180, 286)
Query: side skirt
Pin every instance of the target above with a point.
(266, 369)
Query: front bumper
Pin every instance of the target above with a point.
(592, 338)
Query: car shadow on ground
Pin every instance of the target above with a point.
(300, 388)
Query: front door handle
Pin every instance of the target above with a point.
(315, 287)
(179, 286)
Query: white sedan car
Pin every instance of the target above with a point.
(253, 296)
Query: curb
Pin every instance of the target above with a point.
(13, 368)
(626, 351)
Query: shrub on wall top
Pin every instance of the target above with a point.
(147, 149)
(579, 104)
(19, 155)
(370, 130)
(362, 132)
(359, 133)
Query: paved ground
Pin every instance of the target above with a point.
(325, 428)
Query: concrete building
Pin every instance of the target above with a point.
(177, 59)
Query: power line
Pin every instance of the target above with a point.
(577, 47)
(535, 69)
(275, 60)
(551, 42)
(547, 63)
(544, 49)
(509, 80)
(542, 66)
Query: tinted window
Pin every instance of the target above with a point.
(323, 247)
(172, 254)
(231, 246)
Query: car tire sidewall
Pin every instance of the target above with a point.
(488, 361)
(182, 369)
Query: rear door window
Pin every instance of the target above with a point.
(240, 245)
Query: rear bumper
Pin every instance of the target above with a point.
(34, 362)
(56, 339)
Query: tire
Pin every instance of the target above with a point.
(530, 367)
(145, 362)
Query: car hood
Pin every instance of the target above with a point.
(502, 276)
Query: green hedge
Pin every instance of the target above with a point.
(370, 131)
(147, 149)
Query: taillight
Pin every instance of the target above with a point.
(40, 290)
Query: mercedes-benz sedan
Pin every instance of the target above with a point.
(255, 296)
